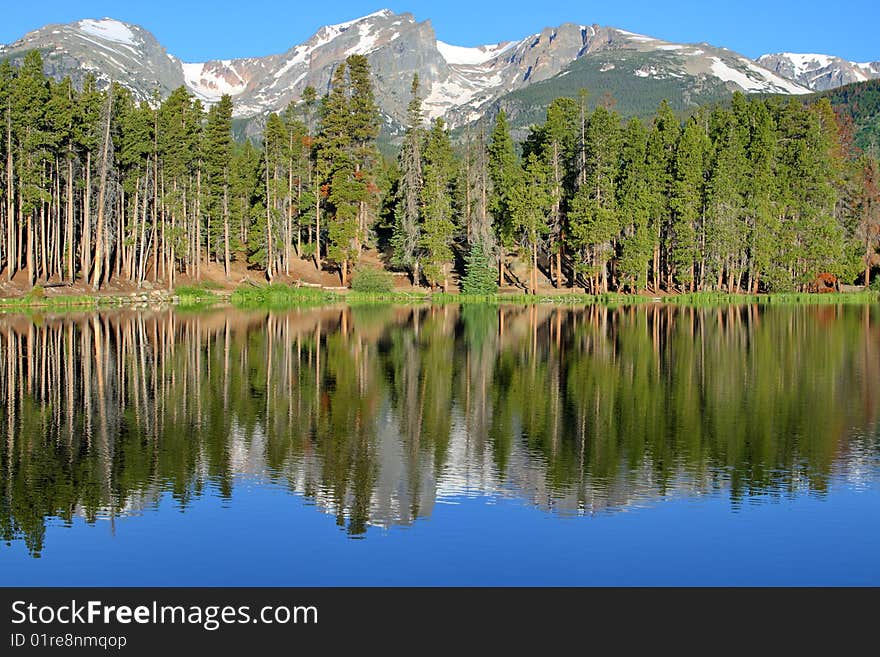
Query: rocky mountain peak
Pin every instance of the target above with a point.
(819, 72)
(459, 83)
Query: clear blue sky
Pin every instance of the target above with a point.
(198, 30)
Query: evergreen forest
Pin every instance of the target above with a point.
(755, 195)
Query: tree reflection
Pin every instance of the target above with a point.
(375, 412)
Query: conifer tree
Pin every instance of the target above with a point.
(218, 160)
(475, 187)
(556, 142)
(503, 171)
(347, 157)
(636, 240)
(529, 203)
(593, 216)
(725, 204)
(761, 198)
(364, 131)
(688, 202)
(479, 272)
(437, 203)
(659, 158)
(30, 94)
(406, 237)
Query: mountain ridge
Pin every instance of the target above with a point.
(819, 72)
(460, 84)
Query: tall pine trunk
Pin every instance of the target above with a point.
(85, 245)
(102, 194)
(71, 271)
(268, 222)
(10, 202)
(226, 230)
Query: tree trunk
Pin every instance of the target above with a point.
(10, 202)
(102, 191)
(656, 269)
(71, 270)
(198, 221)
(534, 269)
(317, 222)
(86, 245)
(268, 222)
(226, 230)
(30, 249)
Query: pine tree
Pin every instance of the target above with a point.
(479, 272)
(502, 169)
(365, 126)
(659, 158)
(725, 204)
(437, 203)
(688, 202)
(636, 239)
(406, 237)
(298, 194)
(30, 95)
(275, 181)
(61, 113)
(218, 160)
(87, 138)
(6, 84)
(347, 158)
(475, 183)
(761, 191)
(529, 203)
(593, 217)
(556, 142)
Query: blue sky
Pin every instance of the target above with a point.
(219, 29)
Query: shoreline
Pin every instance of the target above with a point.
(282, 296)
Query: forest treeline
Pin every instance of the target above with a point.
(762, 195)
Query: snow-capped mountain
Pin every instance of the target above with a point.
(109, 49)
(459, 83)
(819, 72)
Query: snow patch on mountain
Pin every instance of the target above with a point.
(204, 81)
(300, 56)
(647, 72)
(778, 82)
(329, 32)
(108, 29)
(769, 81)
(366, 40)
(807, 62)
(475, 56)
(727, 73)
(632, 36)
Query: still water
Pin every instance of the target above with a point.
(441, 445)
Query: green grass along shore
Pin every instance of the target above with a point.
(281, 296)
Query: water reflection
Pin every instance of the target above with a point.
(378, 413)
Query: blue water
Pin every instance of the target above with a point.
(442, 446)
(266, 537)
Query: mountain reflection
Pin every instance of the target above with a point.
(378, 412)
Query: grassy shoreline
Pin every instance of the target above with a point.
(283, 296)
